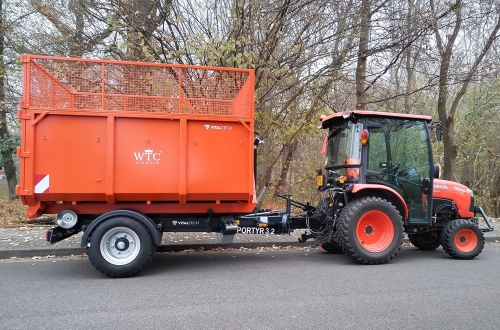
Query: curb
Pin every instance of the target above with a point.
(64, 252)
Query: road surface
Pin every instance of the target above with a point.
(294, 289)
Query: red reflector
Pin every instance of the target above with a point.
(323, 147)
(364, 137)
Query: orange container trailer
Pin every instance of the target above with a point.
(125, 151)
(103, 135)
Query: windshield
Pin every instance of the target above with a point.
(344, 147)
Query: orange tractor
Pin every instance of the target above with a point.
(381, 182)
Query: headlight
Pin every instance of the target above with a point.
(471, 193)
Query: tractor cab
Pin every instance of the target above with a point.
(389, 153)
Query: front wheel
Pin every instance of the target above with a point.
(371, 230)
(425, 241)
(462, 239)
(120, 247)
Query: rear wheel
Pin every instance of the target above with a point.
(462, 239)
(371, 230)
(120, 247)
(426, 241)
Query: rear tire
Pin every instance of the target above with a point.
(462, 239)
(120, 247)
(371, 230)
(425, 241)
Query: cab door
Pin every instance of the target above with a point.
(399, 156)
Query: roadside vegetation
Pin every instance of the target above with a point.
(13, 212)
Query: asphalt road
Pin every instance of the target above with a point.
(256, 290)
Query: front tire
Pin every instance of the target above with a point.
(462, 239)
(371, 230)
(425, 241)
(120, 247)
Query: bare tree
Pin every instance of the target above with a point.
(364, 38)
(6, 148)
(447, 48)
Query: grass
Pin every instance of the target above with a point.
(13, 213)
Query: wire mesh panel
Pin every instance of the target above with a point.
(83, 84)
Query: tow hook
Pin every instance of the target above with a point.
(304, 237)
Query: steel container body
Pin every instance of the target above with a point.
(101, 135)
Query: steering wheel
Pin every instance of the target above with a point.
(390, 170)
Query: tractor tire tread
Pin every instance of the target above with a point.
(448, 239)
(345, 240)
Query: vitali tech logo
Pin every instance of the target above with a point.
(219, 127)
(148, 157)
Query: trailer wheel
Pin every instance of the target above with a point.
(425, 241)
(120, 247)
(371, 230)
(332, 247)
(462, 239)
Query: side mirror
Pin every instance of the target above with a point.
(426, 183)
(436, 169)
(439, 131)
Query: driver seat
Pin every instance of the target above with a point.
(352, 172)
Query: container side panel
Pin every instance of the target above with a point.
(147, 159)
(72, 151)
(243, 102)
(218, 161)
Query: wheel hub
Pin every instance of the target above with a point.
(466, 240)
(375, 231)
(122, 244)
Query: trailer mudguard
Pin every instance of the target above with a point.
(150, 224)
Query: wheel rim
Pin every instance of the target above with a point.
(466, 240)
(120, 246)
(375, 231)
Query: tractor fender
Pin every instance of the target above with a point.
(363, 187)
(150, 224)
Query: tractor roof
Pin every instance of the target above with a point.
(363, 113)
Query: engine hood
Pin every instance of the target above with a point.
(457, 193)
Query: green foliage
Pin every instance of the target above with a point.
(9, 142)
(478, 145)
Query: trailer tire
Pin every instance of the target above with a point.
(120, 247)
(462, 239)
(425, 241)
(370, 230)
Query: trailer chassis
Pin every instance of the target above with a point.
(278, 222)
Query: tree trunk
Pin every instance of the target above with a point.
(448, 120)
(6, 151)
(286, 166)
(364, 35)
